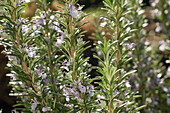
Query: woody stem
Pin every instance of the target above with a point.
(72, 47)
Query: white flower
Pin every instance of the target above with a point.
(26, 1)
(52, 17)
(25, 28)
(100, 97)
(168, 72)
(169, 2)
(30, 51)
(34, 104)
(59, 41)
(67, 99)
(103, 24)
(158, 28)
(153, 4)
(155, 12)
(147, 43)
(99, 42)
(163, 45)
(127, 84)
(148, 48)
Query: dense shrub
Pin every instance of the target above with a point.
(50, 73)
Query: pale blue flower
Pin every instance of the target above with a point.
(30, 51)
(73, 12)
(79, 7)
(66, 65)
(100, 96)
(55, 25)
(46, 81)
(22, 85)
(68, 105)
(154, 2)
(34, 104)
(156, 12)
(76, 94)
(45, 90)
(44, 109)
(42, 20)
(18, 61)
(18, 3)
(158, 27)
(155, 101)
(43, 75)
(13, 111)
(13, 76)
(103, 24)
(165, 89)
(131, 46)
(115, 92)
(67, 91)
(25, 28)
(90, 90)
(168, 2)
(81, 87)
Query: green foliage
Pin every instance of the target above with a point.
(115, 56)
(49, 72)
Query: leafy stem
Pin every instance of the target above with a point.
(117, 37)
(72, 45)
(23, 62)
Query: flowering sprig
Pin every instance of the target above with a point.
(114, 81)
(46, 58)
(77, 86)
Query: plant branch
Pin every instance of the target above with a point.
(24, 63)
(72, 46)
(117, 37)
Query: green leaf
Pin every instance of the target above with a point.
(139, 108)
(128, 74)
(8, 18)
(102, 72)
(99, 60)
(113, 77)
(80, 63)
(103, 86)
(112, 56)
(33, 78)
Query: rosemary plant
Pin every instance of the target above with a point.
(116, 92)
(45, 53)
(50, 74)
(139, 46)
(149, 78)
